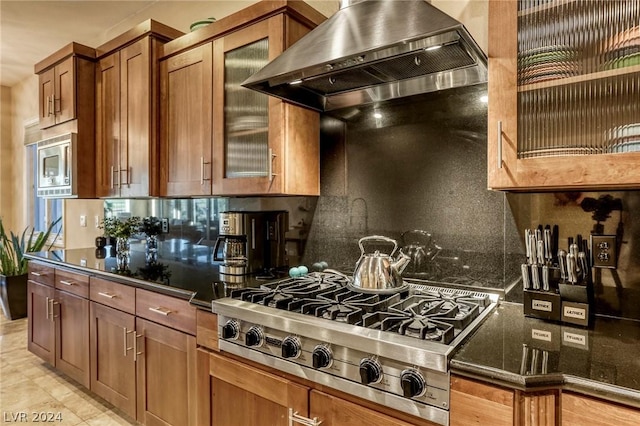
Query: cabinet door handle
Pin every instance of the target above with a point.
(160, 310)
(52, 309)
(272, 157)
(109, 295)
(47, 309)
(202, 163)
(112, 172)
(135, 346)
(125, 332)
(499, 144)
(49, 102)
(69, 283)
(37, 274)
(55, 111)
(128, 172)
(294, 417)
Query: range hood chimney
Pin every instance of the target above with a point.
(372, 51)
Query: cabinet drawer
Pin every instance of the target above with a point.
(72, 282)
(41, 273)
(115, 295)
(167, 310)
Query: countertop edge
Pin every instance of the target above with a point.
(147, 285)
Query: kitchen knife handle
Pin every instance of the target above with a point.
(547, 245)
(562, 264)
(571, 268)
(526, 283)
(499, 144)
(535, 277)
(545, 278)
(540, 252)
(527, 246)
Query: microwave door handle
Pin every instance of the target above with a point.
(66, 162)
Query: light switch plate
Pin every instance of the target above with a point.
(83, 221)
(605, 251)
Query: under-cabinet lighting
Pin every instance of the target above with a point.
(484, 99)
(295, 82)
(377, 115)
(433, 47)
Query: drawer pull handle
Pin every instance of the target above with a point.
(161, 311)
(294, 417)
(38, 274)
(69, 283)
(109, 295)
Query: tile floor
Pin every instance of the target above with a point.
(28, 385)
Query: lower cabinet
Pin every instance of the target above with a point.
(113, 357)
(166, 375)
(244, 395)
(578, 410)
(334, 411)
(71, 314)
(41, 334)
(59, 329)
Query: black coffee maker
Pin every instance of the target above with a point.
(251, 242)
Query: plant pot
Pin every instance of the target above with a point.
(13, 296)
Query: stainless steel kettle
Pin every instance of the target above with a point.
(378, 272)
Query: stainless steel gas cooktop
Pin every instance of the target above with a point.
(391, 348)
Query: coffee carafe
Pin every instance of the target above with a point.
(233, 241)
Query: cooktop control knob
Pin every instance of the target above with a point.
(231, 330)
(290, 347)
(254, 336)
(412, 383)
(322, 357)
(370, 371)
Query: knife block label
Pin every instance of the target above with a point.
(541, 335)
(574, 339)
(541, 305)
(573, 312)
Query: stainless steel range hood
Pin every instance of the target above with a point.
(373, 51)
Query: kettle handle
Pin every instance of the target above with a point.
(377, 238)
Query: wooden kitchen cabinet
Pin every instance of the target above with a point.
(41, 334)
(245, 395)
(127, 94)
(113, 351)
(59, 320)
(570, 122)
(219, 138)
(475, 403)
(166, 375)
(578, 410)
(334, 411)
(65, 84)
(186, 113)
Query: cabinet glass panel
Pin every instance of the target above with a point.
(246, 113)
(578, 77)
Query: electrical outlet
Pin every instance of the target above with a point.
(83, 221)
(165, 225)
(605, 251)
(97, 218)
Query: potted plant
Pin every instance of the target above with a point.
(121, 230)
(14, 266)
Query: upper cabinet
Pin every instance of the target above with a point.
(219, 138)
(65, 85)
(127, 95)
(564, 84)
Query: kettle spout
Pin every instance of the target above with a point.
(401, 262)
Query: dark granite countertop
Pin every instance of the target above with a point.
(512, 350)
(181, 269)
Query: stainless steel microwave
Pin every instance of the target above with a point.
(57, 167)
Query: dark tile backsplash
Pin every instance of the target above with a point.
(420, 164)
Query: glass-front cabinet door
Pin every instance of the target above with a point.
(564, 94)
(244, 157)
(255, 135)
